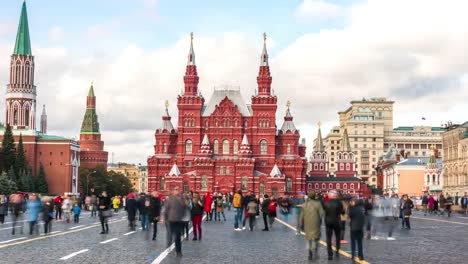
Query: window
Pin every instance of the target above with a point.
(186, 187)
(263, 147)
(352, 186)
(345, 186)
(355, 146)
(373, 152)
(221, 170)
(365, 146)
(235, 147)
(227, 171)
(262, 188)
(215, 147)
(341, 166)
(204, 183)
(288, 149)
(244, 183)
(61, 153)
(164, 147)
(162, 184)
(364, 139)
(188, 164)
(51, 153)
(373, 145)
(26, 117)
(337, 186)
(324, 186)
(188, 146)
(330, 186)
(321, 167)
(315, 166)
(226, 146)
(347, 166)
(288, 185)
(274, 191)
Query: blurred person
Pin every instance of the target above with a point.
(464, 204)
(16, 205)
(34, 207)
(174, 213)
(265, 211)
(132, 207)
(333, 210)
(356, 224)
(344, 218)
(94, 205)
(430, 203)
(424, 203)
(285, 207)
(252, 211)
(395, 202)
(66, 208)
(406, 207)
(245, 202)
(220, 208)
(58, 207)
(116, 204)
(104, 206)
(208, 203)
(47, 214)
(441, 204)
(187, 216)
(448, 204)
(272, 211)
(298, 203)
(311, 219)
(3, 208)
(76, 213)
(143, 204)
(197, 215)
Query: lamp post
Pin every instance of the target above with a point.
(87, 182)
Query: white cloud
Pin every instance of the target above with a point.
(415, 56)
(56, 34)
(318, 10)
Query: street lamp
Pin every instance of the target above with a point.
(87, 182)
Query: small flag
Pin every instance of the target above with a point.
(423, 118)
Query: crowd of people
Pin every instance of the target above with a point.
(438, 204)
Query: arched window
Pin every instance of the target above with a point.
(244, 183)
(227, 171)
(206, 123)
(262, 188)
(330, 186)
(337, 186)
(26, 116)
(188, 146)
(263, 147)
(288, 149)
(274, 191)
(228, 123)
(347, 166)
(433, 178)
(341, 166)
(235, 122)
(162, 184)
(288, 185)
(316, 186)
(315, 166)
(345, 186)
(164, 148)
(225, 147)
(324, 186)
(235, 147)
(15, 116)
(215, 147)
(204, 183)
(352, 186)
(321, 167)
(221, 170)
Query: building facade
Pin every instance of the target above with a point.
(319, 179)
(415, 141)
(132, 172)
(60, 156)
(332, 144)
(455, 159)
(227, 145)
(92, 147)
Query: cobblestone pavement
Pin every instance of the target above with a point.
(432, 239)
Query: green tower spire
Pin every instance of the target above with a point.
(90, 123)
(23, 42)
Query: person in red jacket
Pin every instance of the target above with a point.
(208, 201)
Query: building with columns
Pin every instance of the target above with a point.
(224, 144)
(415, 141)
(455, 159)
(320, 179)
(92, 147)
(59, 155)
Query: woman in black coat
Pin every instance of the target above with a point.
(132, 207)
(104, 211)
(406, 207)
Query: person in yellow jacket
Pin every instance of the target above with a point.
(238, 210)
(116, 204)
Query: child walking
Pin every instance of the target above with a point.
(76, 213)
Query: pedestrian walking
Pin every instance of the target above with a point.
(174, 213)
(356, 226)
(47, 214)
(143, 206)
(66, 208)
(238, 210)
(116, 204)
(76, 213)
(272, 211)
(265, 211)
(250, 196)
(197, 214)
(464, 204)
(187, 216)
(298, 203)
(208, 202)
(310, 221)
(132, 207)
(424, 203)
(406, 207)
(448, 204)
(3, 208)
(333, 209)
(285, 207)
(252, 212)
(16, 205)
(155, 211)
(104, 206)
(34, 207)
(368, 216)
(441, 204)
(58, 207)
(220, 203)
(94, 205)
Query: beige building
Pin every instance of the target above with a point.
(132, 172)
(455, 159)
(415, 141)
(143, 179)
(332, 143)
(367, 121)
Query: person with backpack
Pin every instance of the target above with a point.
(238, 209)
(272, 211)
(265, 211)
(220, 202)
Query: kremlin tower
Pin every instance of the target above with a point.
(92, 147)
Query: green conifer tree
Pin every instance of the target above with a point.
(8, 149)
(7, 186)
(20, 161)
(41, 181)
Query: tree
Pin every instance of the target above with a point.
(41, 182)
(101, 180)
(11, 175)
(8, 149)
(20, 161)
(26, 182)
(7, 186)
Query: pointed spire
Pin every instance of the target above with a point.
(264, 56)
(43, 121)
(205, 146)
(90, 123)
(43, 110)
(288, 124)
(205, 140)
(191, 55)
(91, 90)
(174, 171)
(345, 144)
(167, 124)
(245, 147)
(23, 42)
(319, 142)
(275, 172)
(245, 141)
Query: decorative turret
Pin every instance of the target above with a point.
(345, 158)
(245, 147)
(43, 121)
(288, 124)
(345, 145)
(318, 157)
(174, 171)
(90, 123)
(205, 148)
(191, 76)
(275, 172)
(167, 124)
(264, 78)
(21, 91)
(319, 147)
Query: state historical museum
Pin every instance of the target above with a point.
(227, 145)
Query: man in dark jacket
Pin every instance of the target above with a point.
(104, 207)
(265, 211)
(132, 206)
(155, 211)
(333, 210)
(143, 206)
(357, 221)
(174, 211)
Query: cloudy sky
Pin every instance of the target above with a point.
(323, 54)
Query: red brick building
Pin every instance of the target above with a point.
(59, 155)
(92, 147)
(345, 179)
(225, 144)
